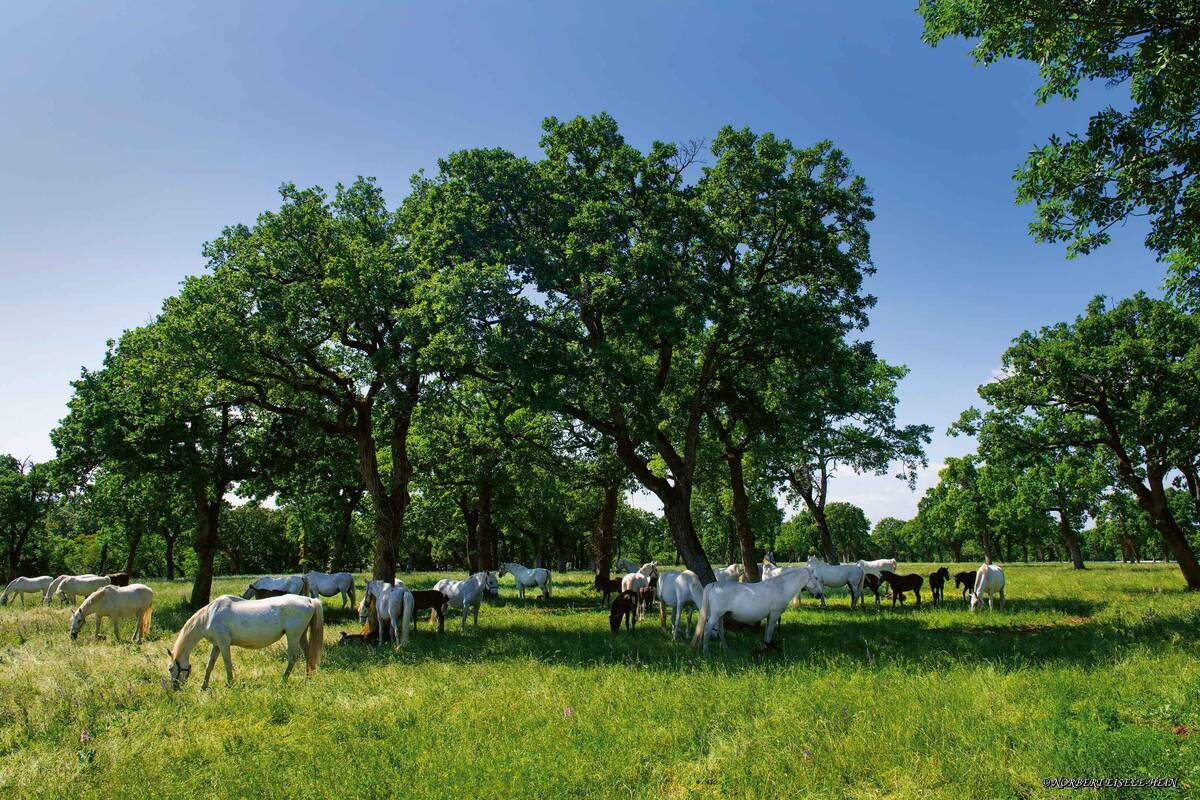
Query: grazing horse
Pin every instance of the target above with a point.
(608, 585)
(625, 566)
(468, 595)
(751, 602)
(678, 589)
(624, 607)
(899, 584)
(118, 578)
(23, 586)
(731, 574)
(393, 605)
(872, 582)
(328, 584)
(230, 620)
(291, 584)
(647, 592)
(81, 585)
(116, 603)
(636, 581)
(434, 602)
(966, 580)
(53, 588)
(989, 579)
(877, 566)
(937, 582)
(527, 578)
(848, 575)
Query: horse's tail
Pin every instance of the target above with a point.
(700, 624)
(410, 603)
(144, 622)
(353, 601)
(316, 636)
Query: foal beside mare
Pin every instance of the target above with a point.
(937, 580)
(966, 580)
(609, 586)
(624, 607)
(899, 584)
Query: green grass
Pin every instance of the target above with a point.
(1093, 674)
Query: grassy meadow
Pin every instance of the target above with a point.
(1093, 674)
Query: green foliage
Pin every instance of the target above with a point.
(848, 526)
(26, 497)
(1140, 161)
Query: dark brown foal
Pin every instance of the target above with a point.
(435, 602)
(624, 607)
(937, 582)
(967, 581)
(899, 584)
(609, 586)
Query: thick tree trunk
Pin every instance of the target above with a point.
(602, 537)
(1177, 545)
(390, 501)
(677, 509)
(471, 521)
(131, 557)
(741, 516)
(208, 515)
(826, 539)
(487, 542)
(1070, 540)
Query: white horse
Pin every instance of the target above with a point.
(990, 579)
(877, 566)
(116, 603)
(292, 584)
(636, 581)
(731, 574)
(23, 586)
(52, 589)
(394, 606)
(676, 590)
(81, 585)
(467, 595)
(751, 603)
(327, 584)
(849, 575)
(626, 566)
(527, 578)
(230, 620)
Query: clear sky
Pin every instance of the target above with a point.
(130, 133)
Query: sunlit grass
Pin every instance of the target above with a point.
(1084, 674)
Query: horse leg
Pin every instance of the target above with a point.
(721, 630)
(918, 593)
(478, 603)
(1001, 599)
(772, 621)
(98, 618)
(294, 646)
(116, 629)
(212, 659)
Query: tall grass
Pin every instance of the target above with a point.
(1088, 674)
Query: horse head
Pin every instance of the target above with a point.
(490, 585)
(177, 672)
(813, 585)
(76, 622)
(504, 565)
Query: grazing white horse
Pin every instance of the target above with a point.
(230, 620)
(676, 590)
(849, 575)
(52, 589)
(81, 585)
(751, 603)
(877, 566)
(626, 566)
(731, 574)
(394, 606)
(467, 595)
(327, 584)
(116, 603)
(990, 579)
(292, 584)
(23, 586)
(527, 578)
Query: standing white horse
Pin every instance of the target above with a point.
(676, 590)
(81, 585)
(229, 620)
(527, 578)
(394, 606)
(990, 579)
(751, 603)
(23, 586)
(467, 595)
(327, 584)
(116, 603)
(636, 581)
(849, 575)
(292, 584)
(877, 566)
(731, 574)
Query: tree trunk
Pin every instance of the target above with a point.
(818, 512)
(956, 551)
(208, 515)
(487, 543)
(741, 516)
(170, 538)
(390, 502)
(471, 520)
(341, 541)
(1177, 544)
(1070, 540)
(677, 509)
(134, 542)
(560, 549)
(602, 538)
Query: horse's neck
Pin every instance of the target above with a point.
(192, 632)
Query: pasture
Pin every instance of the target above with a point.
(1092, 673)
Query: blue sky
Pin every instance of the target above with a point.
(132, 132)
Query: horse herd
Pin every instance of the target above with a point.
(290, 607)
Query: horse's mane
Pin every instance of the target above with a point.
(194, 620)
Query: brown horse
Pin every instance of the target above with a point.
(117, 578)
(967, 581)
(609, 586)
(433, 601)
(937, 580)
(624, 607)
(899, 584)
(262, 594)
(871, 582)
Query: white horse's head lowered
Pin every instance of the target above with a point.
(489, 584)
(177, 671)
(77, 620)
